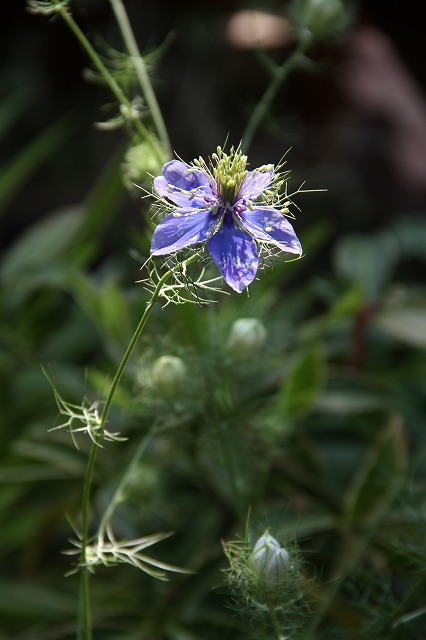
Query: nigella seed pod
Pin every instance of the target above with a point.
(269, 562)
(169, 374)
(246, 338)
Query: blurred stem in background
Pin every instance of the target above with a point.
(280, 73)
(126, 107)
(142, 75)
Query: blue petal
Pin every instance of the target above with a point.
(235, 254)
(184, 176)
(183, 185)
(255, 183)
(269, 225)
(182, 228)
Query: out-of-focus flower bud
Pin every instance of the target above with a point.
(320, 18)
(169, 374)
(246, 338)
(140, 161)
(269, 561)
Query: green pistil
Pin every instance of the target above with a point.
(229, 173)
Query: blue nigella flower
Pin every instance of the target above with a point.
(220, 206)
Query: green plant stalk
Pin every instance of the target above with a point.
(108, 78)
(417, 589)
(264, 103)
(128, 473)
(275, 624)
(84, 585)
(141, 72)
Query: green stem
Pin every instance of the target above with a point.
(128, 474)
(108, 78)
(264, 103)
(414, 591)
(141, 72)
(136, 336)
(275, 624)
(84, 585)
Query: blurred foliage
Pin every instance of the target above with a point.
(320, 435)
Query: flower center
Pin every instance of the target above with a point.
(229, 173)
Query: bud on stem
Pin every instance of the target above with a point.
(269, 561)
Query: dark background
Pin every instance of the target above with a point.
(206, 89)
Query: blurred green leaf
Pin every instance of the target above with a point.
(28, 160)
(86, 293)
(369, 261)
(52, 454)
(304, 383)
(379, 477)
(12, 107)
(35, 600)
(347, 403)
(38, 247)
(286, 269)
(348, 303)
(114, 312)
(31, 472)
(411, 233)
(104, 304)
(103, 200)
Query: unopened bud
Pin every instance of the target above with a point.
(320, 18)
(269, 562)
(169, 374)
(141, 160)
(246, 338)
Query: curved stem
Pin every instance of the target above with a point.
(84, 585)
(127, 475)
(140, 68)
(107, 77)
(137, 334)
(263, 105)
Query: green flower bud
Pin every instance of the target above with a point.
(246, 338)
(169, 374)
(269, 562)
(140, 162)
(320, 18)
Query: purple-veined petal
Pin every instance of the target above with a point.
(184, 176)
(186, 199)
(269, 225)
(183, 185)
(182, 228)
(235, 254)
(255, 183)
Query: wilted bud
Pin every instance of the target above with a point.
(268, 561)
(169, 374)
(246, 338)
(320, 18)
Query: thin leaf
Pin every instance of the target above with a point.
(379, 477)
